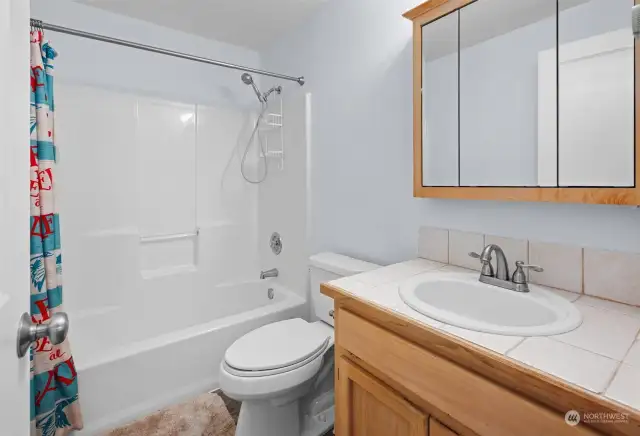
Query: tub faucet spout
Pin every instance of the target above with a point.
(269, 273)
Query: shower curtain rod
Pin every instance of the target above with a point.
(150, 48)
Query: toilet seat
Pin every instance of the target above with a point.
(263, 373)
(303, 344)
(277, 348)
(253, 388)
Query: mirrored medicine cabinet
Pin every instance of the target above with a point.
(528, 100)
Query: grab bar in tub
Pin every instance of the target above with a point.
(163, 238)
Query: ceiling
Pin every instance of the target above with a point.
(250, 23)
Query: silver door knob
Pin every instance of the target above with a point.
(28, 332)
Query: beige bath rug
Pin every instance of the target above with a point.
(211, 414)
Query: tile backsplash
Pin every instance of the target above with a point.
(461, 244)
(562, 266)
(604, 274)
(612, 275)
(433, 244)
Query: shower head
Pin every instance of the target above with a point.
(248, 80)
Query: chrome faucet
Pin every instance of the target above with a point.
(502, 266)
(269, 273)
(518, 282)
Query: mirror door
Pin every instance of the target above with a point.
(596, 94)
(440, 122)
(500, 43)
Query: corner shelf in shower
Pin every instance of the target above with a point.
(271, 122)
(272, 130)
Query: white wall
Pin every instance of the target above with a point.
(357, 58)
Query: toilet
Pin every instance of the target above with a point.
(283, 372)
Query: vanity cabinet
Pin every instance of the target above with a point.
(526, 100)
(388, 385)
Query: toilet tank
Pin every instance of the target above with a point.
(325, 267)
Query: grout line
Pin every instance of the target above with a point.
(606, 309)
(520, 342)
(553, 338)
(448, 246)
(551, 288)
(528, 260)
(582, 270)
(629, 350)
(611, 379)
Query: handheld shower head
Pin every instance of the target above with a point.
(248, 80)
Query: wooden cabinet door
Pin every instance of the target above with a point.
(437, 429)
(367, 407)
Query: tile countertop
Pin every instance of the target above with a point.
(601, 356)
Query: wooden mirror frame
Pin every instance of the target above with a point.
(430, 11)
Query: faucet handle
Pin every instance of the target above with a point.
(536, 268)
(519, 276)
(487, 268)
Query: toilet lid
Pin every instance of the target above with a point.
(276, 345)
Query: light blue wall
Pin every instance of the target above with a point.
(357, 57)
(89, 62)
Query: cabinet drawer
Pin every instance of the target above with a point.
(475, 402)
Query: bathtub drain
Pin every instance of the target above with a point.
(270, 293)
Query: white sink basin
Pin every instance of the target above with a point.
(461, 300)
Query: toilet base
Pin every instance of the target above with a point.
(264, 419)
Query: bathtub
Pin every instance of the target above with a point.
(132, 364)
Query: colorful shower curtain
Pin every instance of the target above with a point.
(54, 386)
